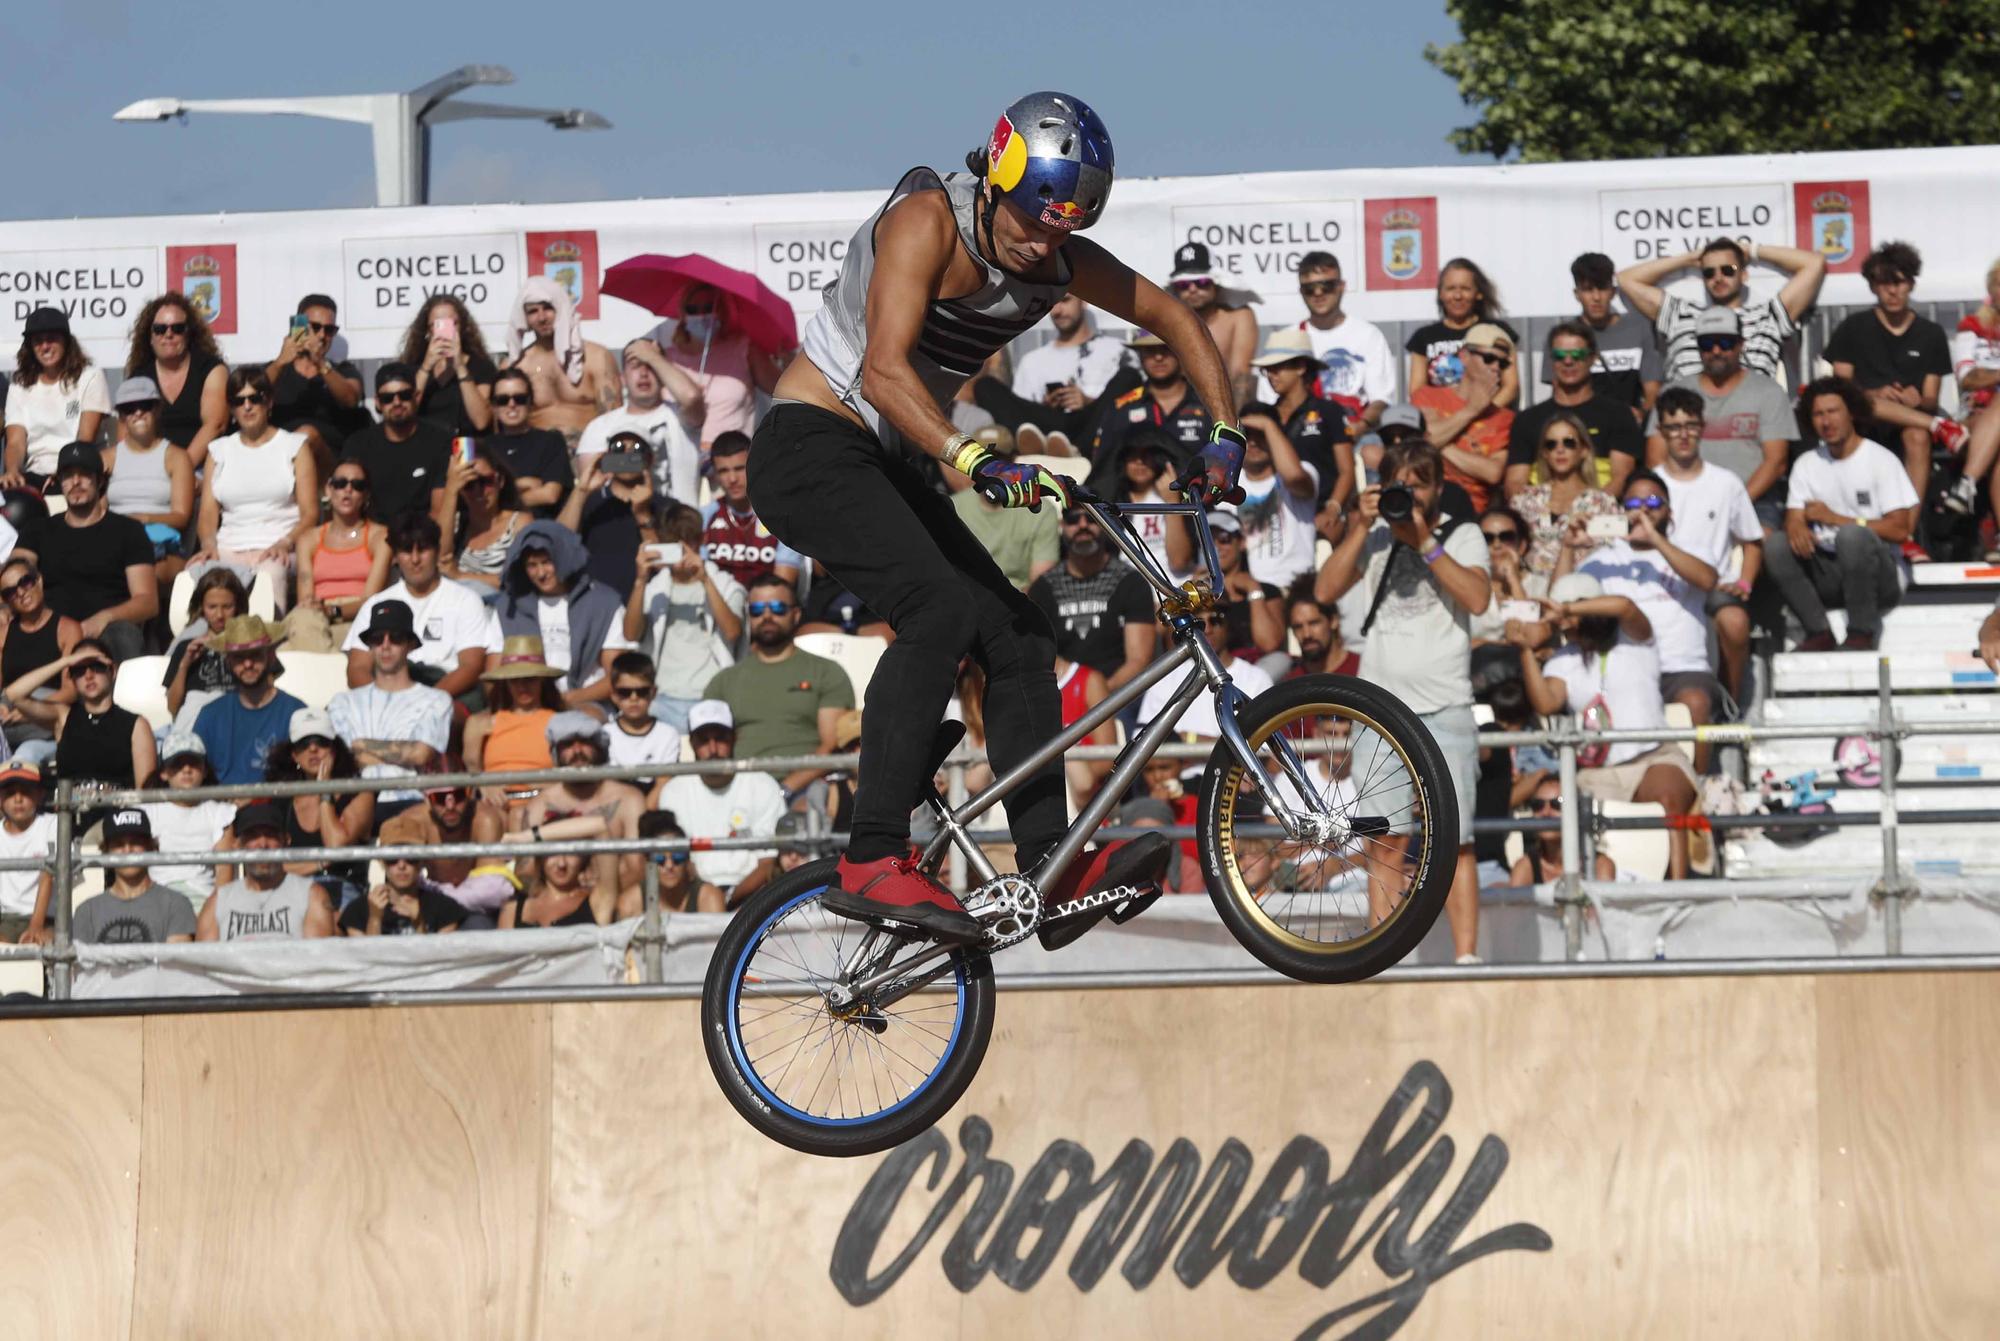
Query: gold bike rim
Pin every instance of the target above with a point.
(1225, 834)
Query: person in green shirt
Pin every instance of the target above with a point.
(785, 700)
(1024, 543)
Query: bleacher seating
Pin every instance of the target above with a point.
(855, 653)
(313, 677)
(140, 688)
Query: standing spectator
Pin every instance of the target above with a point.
(1900, 360)
(783, 700)
(266, 902)
(536, 458)
(1715, 521)
(549, 592)
(703, 340)
(611, 511)
(480, 509)
(194, 666)
(132, 910)
(1101, 611)
(1251, 607)
(152, 481)
(260, 494)
(574, 379)
(33, 636)
(404, 904)
(395, 726)
(1465, 299)
(451, 375)
(316, 754)
(180, 824)
(1725, 265)
(1614, 441)
(1849, 510)
(1231, 324)
(457, 629)
(1975, 351)
(1315, 624)
(1317, 428)
(448, 815)
(58, 397)
(1164, 400)
(241, 729)
(96, 740)
(98, 565)
(172, 346)
(511, 734)
(1625, 369)
(1564, 460)
(732, 537)
(24, 832)
(311, 393)
(1469, 420)
(405, 455)
(1280, 498)
(342, 562)
(1357, 367)
(636, 736)
(1145, 468)
(661, 399)
(1426, 587)
(1024, 544)
(1748, 426)
(685, 613)
(723, 805)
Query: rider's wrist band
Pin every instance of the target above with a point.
(962, 452)
(1434, 553)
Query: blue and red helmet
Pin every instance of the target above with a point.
(1051, 156)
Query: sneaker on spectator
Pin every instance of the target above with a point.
(1962, 496)
(1859, 642)
(1468, 959)
(1914, 552)
(1949, 434)
(1817, 642)
(1028, 441)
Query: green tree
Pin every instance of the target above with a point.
(1582, 79)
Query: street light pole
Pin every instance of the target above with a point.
(401, 122)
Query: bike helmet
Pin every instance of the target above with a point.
(1051, 156)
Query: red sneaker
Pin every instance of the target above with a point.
(893, 893)
(1140, 864)
(1915, 553)
(1816, 642)
(1949, 434)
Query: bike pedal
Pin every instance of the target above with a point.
(1136, 904)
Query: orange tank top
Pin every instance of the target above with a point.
(340, 573)
(518, 741)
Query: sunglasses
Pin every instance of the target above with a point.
(1318, 288)
(677, 858)
(633, 691)
(170, 328)
(139, 407)
(1708, 342)
(178, 762)
(512, 398)
(1183, 285)
(1076, 517)
(769, 607)
(395, 397)
(348, 482)
(446, 794)
(83, 668)
(324, 328)
(484, 481)
(311, 742)
(8, 593)
(1500, 361)
(1570, 355)
(708, 311)
(1572, 443)
(1546, 805)
(1510, 536)
(1726, 271)
(249, 398)
(709, 735)
(1651, 503)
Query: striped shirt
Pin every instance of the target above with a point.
(1766, 326)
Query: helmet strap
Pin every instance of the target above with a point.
(992, 251)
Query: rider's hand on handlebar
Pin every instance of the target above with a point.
(1010, 484)
(1211, 476)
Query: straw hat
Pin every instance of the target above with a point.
(247, 633)
(521, 658)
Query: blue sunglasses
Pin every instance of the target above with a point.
(769, 607)
(662, 858)
(1652, 503)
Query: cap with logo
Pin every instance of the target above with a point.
(710, 712)
(133, 823)
(81, 456)
(391, 619)
(20, 770)
(310, 722)
(1401, 416)
(1192, 262)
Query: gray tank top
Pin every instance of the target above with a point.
(246, 914)
(959, 334)
(139, 483)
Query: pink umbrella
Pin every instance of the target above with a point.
(658, 283)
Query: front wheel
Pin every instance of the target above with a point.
(827, 1075)
(1357, 893)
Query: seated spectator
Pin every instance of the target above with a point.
(1280, 499)
(448, 815)
(152, 481)
(1080, 689)
(548, 592)
(133, 909)
(1056, 385)
(636, 735)
(1145, 468)
(511, 734)
(565, 890)
(1315, 625)
(25, 832)
(611, 511)
(405, 455)
(96, 740)
(1146, 812)
(457, 629)
(58, 397)
(678, 887)
(1023, 543)
(578, 740)
(1541, 861)
(395, 726)
(1568, 491)
(1610, 432)
(1748, 426)
(480, 509)
(1198, 722)
(1503, 787)
(704, 341)
(661, 400)
(731, 535)
(260, 493)
(1626, 369)
(342, 562)
(1848, 512)
(1725, 273)
(686, 613)
(184, 825)
(574, 379)
(1468, 420)
(242, 729)
(1101, 610)
(1493, 657)
(783, 700)
(1465, 299)
(1226, 313)
(537, 459)
(1900, 361)
(1716, 522)
(174, 349)
(97, 564)
(1357, 367)
(450, 373)
(723, 805)
(33, 636)
(1975, 352)
(316, 754)
(1607, 672)
(1164, 400)
(194, 665)
(830, 607)
(404, 904)
(1252, 609)
(1316, 428)
(266, 902)
(311, 393)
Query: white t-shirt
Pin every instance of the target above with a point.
(1713, 514)
(1674, 605)
(1628, 678)
(256, 489)
(17, 888)
(661, 745)
(1199, 719)
(749, 806)
(676, 457)
(449, 620)
(680, 631)
(552, 615)
(419, 713)
(1420, 646)
(1091, 365)
(1152, 529)
(1278, 530)
(1360, 366)
(195, 828)
(49, 411)
(1869, 483)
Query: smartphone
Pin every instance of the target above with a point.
(1528, 612)
(1050, 388)
(671, 552)
(463, 448)
(299, 322)
(1607, 528)
(444, 327)
(622, 463)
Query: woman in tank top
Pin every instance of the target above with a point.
(559, 896)
(1080, 688)
(479, 512)
(151, 480)
(511, 736)
(172, 345)
(341, 563)
(260, 494)
(96, 740)
(34, 636)
(315, 753)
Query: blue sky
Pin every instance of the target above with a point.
(705, 99)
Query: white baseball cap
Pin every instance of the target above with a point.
(710, 712)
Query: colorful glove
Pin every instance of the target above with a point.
(1212, 473)
(1004, 483)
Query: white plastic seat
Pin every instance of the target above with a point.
(313, 678)
(855, 653)
(140, 688)
(56, 504)
(1642, 852)
(177, 602)
(263, 601)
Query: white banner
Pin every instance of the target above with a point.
(389, 279)
(1258, 246)
(101, 291)
(797, 260)
(1647, 224)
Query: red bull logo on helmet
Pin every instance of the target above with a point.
(1063, 214)
(1006, 155)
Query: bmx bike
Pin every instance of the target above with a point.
(1327, 831)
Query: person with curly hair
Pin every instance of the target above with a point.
(172, 345)
(57, 398)
(1900, 360)
(453, 370)
(1465, 298)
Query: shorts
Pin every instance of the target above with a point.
(1457, 737)
(14, 925)
(1617, 782)
(1720, 600)
(1675, 683)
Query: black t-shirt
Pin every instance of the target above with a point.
(1490, 793)
(1188, 426)
(1314, 428)
(1089, 614)
(611, 534)
(297, 401)
(1612, 429)
(1439, 343)
(444, 405)
(84, 566)
(437, 909)
(402, 474)
(540, 453)
(208, 671)
(1882, 358)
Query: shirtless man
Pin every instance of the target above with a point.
(575, 379)
(577, 740)
(1234, 329)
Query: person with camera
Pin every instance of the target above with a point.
(1426, 573)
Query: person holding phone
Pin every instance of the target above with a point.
(453, 372)
(612, 509)
(1567, 466)
(310, 392)
(479, 513)
(685, 612)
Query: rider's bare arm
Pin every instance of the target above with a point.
(915, 244)
(1102, 280)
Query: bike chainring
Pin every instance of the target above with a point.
(1009, 907)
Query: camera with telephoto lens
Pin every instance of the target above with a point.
(1396, 503)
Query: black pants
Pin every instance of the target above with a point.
(829, 489)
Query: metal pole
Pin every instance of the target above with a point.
(652, 937)
(61, 955)
(1569, 888)
(1893, 888)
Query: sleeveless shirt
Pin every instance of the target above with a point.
(518, 741)
(180, 418)
(1070, 689)
(139, 482)
(340, 573)
(246, 914)
(958, 334)
(97, 746)
(30, 649)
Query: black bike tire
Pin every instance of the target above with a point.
(1413, 920)
(861, 1138)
